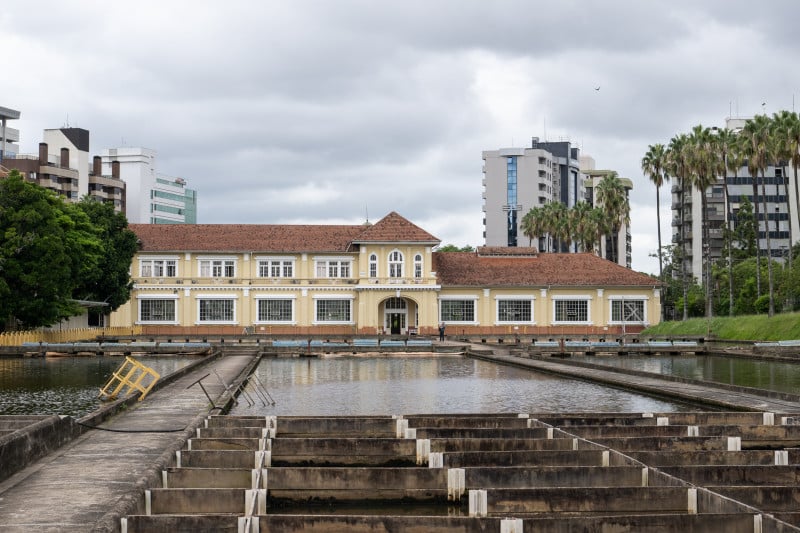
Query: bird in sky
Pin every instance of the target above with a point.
(597, 88)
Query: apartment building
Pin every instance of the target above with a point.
(153, 198)
(9, 137)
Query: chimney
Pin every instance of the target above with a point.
(97, 165)
(115, 169)
(43, 154)
(65, 158)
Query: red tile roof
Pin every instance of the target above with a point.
(275, 238)
(469, 269)
(395, 228)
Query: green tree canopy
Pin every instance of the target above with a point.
(110, 280)
(454, 248)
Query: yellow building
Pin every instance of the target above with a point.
(382, 278)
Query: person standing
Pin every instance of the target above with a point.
(441, 332)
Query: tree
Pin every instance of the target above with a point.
(729, 158)
(581, 224)
(787, 140)
(44, 248)
(612, 196)
(677, 166)
(111, 281)
(759, 147)
(703, 168)
(533, 226)
(454, 248)
(653, 164)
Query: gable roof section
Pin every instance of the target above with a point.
(244, 237)
(394, 228)
(469, 269)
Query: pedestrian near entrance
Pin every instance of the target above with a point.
(441, 332)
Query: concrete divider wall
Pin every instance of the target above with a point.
(22, 447)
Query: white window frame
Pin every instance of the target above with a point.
(419, 271)
(626, 298)
(373, 265)
(341, 267)
(140, 297)
(204, 297)
(164, 260)
(576, 297)
(515, 297)
(395, 264)
(262, 297)
(224, 263)
(468, 297)
(270, 263)
(348, 298)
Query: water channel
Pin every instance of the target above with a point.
(64, 385)
(389, 385)
(355, 385)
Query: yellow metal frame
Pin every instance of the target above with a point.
(130, 374)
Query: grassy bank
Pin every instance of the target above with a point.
(784, 326)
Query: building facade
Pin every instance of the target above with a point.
(518, 179)
(152, 198)
(62, 166)
(382, 278)
(9, 137)
(687, 214)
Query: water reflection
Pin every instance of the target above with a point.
(770, 375)
(64, 385)
(429, 384)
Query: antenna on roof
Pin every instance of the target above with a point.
(366, 214)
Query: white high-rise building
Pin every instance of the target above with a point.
(151, 198)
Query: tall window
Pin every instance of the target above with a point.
(333, 268)
(373, 266)
(627, 311)
(158, 268)
(217, 268)
(275, 268)
(330, 310)
(418, 266)
(511, 199)
(216, 310)
(514, 311)
(155, 310)
(395, 264)
(572, 310)
(278, 310)
(457, 310)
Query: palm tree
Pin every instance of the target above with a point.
(729, 158)
(787, 130)
(677, 152)
(581, 224)
(532, 225)
(611, 194)
(703, 175)
(653, 164)
(759, 148)
(599, 225)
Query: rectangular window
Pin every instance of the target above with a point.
(153, 310)
(275, 268)
(275, 310)
(158, 268)
(627, 311)
(217, 268)
(333, 310)
(572, 310)
(514, 310)
(333, 269)
(457, 310)
(216, 310)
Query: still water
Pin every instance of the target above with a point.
(64, 385)
(428, 384)
(745, 372)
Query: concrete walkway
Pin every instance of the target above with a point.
(92, 481)
(697, 392)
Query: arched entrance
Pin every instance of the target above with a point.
(395, 316)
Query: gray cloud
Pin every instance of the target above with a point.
(317, 111)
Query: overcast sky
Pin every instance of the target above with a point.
(323, 111)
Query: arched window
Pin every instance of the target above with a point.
(418, 266)
(373, 266)
(395, 264)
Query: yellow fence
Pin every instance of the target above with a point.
(17, 338)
